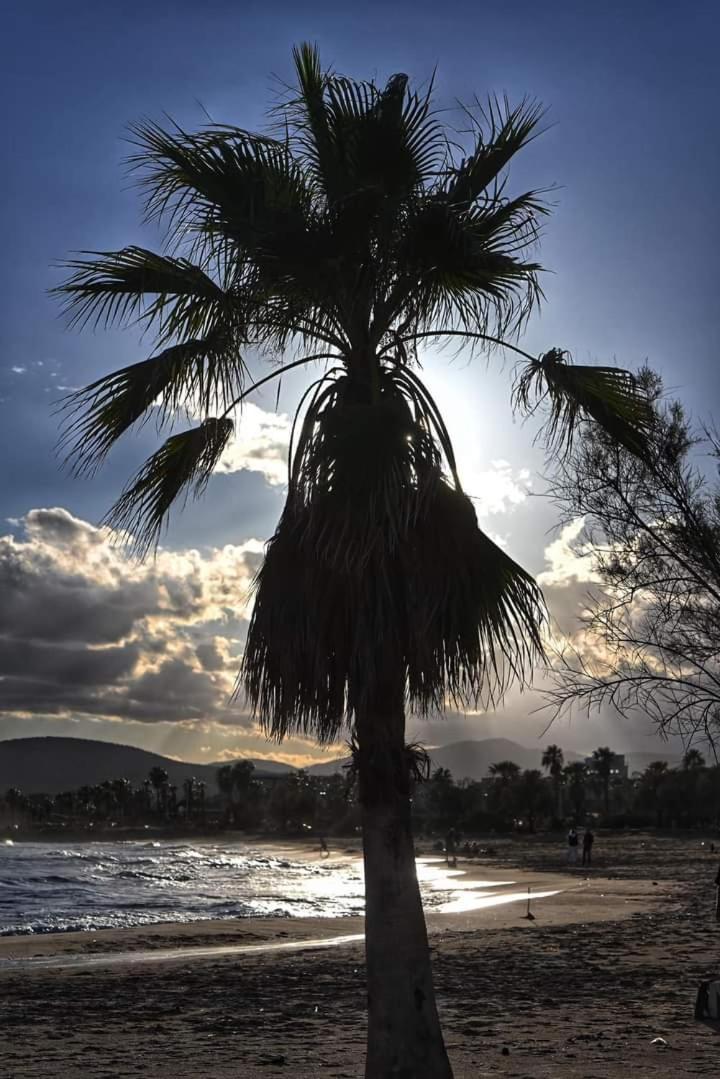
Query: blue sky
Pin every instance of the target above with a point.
(631, 249)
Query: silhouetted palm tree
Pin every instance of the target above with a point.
(122, 790)
(654, 779)
(16, 802)
(504, 772)
(603, 759)
(226, 785)
(692, 760)
(355, 231)
(190, 792)
(159, 779)
(553, 760)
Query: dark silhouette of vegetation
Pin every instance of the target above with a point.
(291, 804)
(654, 526)
(356, 229)
(553, 760)
(299, 804)
(602, 760)
(574, 777)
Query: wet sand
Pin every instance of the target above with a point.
(610, 962)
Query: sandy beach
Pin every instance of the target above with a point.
(609, 963)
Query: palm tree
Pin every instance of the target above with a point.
(692, 760)
(200, 791)
(225, 779)
(552, 761)
(352, 232)
(190, 792)
(159, 780)
(504, 772)
(16, 802)
(654, 780)
(122, 790)
(575, 776)
(603, 760)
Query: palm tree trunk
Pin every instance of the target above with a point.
(404, 1036)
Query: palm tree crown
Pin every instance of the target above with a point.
(504, 771)
(355, 229)
(553, 760)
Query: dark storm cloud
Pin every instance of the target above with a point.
(72, 665)
(84, 631)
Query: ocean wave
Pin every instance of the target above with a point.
(50, 889)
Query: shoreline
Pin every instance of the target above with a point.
(483, 896)
(609, 965)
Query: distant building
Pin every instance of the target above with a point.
(618, 766)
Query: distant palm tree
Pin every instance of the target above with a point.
(351, 233)
(16, 801)
(159, 780)
(504, 772)
(122, 790)
(242, 774)
(190, 791)
(553, 760)
(692, 760)
(225, 778)
(654, 779)
(200, 798)
(603, 760)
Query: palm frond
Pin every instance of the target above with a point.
(574, 393)
(467, 270)
(360, 141)
(182, 466)
(201, 374)
(307, 113)
(221, 183)
(378, 560)
(441, 602)
(501, 132)
(116, 286)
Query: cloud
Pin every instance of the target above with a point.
(570, 559)
(85, 631)
(498, 489)
(260, 445)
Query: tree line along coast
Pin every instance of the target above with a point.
(509, 799)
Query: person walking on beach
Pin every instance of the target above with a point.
(572, 847)
(588, 840)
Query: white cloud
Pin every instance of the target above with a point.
(260, 445)
(498, 489)
(570, 560)
(18, 370)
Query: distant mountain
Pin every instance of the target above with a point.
(467, 760)
(638, 762)
(49, 765)
(472, 759)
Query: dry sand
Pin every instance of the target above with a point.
(609, 964)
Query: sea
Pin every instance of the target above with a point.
(49, 888)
